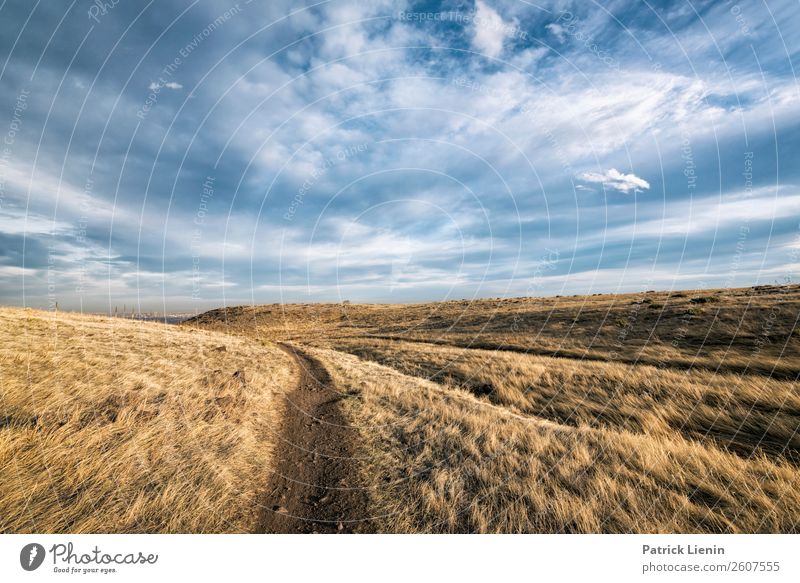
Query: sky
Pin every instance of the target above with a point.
(183, 155)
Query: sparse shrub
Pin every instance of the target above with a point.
(705, 300)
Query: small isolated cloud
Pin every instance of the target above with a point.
(615, 179)
(490, 30)
(557, 30)
(171, 85)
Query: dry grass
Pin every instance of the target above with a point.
(746, 414)
(441, 460)
(745, 331)
(651, 412)
(117, 426)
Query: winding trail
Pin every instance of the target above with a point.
(314, 485)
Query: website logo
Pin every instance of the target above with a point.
(31, 556)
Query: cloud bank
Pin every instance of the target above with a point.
(385, 151)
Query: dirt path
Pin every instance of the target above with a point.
(313, 487)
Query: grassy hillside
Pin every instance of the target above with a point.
(438, 459)
(111, 425)
(748, 330)
(651, 412)
(746, 414)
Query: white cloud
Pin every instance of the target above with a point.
(20, 222)
(715, 213)
(490, 31)
(616, 180)
(170, 85)
(557, 30)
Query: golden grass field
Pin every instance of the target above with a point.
(442, 460)
(650, 412)
(112, 425)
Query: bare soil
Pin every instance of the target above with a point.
(314, 485)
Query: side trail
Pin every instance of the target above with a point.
(314, 485)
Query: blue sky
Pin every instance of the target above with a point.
(182, 155)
